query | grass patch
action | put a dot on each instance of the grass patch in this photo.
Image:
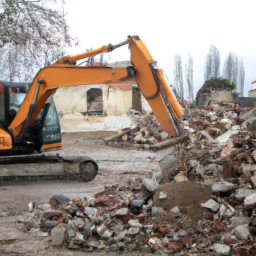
(7, 241)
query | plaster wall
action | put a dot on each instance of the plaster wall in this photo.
(224, 95)
(74, 99)
(252, 93)
(71, 104)
(118, 101)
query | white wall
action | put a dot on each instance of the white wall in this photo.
(72, 101)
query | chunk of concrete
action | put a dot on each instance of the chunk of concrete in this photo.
(175, 210)
(162, 195)
(134, 223)
(222, 186)
(221, 249)
(241, 232)
(250, 201)
(59, 234)
(78, 222)
(90, 211)
(122, 212)
(225, 136)
(149, 184)
(133, 231)
(242, 193)
(156, 211)
(211, 204)
(226, 210)
(236, 221)
(253, 180)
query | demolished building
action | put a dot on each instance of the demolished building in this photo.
(101, 107)
(214, 89)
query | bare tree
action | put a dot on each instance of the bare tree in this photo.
(31, 37)
(240, 79)
(178, 75)
(212, 63)
(189, 77)
(230, 69)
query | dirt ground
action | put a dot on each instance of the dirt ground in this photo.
(188, 196)
(115, 165)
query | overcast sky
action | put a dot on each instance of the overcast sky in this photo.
(168, 27)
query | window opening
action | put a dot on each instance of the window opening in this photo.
(94, 102)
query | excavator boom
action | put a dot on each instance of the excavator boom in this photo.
(89, 54)
(150, 81)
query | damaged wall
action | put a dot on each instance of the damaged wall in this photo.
(70, 100)
(79, 107)
(252, 93)
(214, 90)
(118, 101)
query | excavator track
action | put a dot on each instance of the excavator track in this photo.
(47, 167)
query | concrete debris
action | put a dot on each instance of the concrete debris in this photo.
(215, 163)
(157, 210)
(241, 232)
(145, 129)
(227, 210)
(242, 193)
(30, 207)
(120, 228)
(149, 185)
(222, 186)
(162, 195)
(211, 204)
(59, 235)
(221, 249)
(176, 210)
(250, 201)
(122, 212)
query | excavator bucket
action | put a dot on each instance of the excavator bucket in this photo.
(156, 92)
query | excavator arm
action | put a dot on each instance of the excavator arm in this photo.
(104, 49)
(49, 79)
(64, 73)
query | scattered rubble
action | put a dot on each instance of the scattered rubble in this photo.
(205, 204)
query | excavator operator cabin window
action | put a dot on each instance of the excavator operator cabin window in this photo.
(94, 102)
(16, 98)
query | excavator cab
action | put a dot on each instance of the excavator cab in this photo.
(44, 133)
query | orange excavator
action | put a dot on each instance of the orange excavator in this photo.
(29, 121)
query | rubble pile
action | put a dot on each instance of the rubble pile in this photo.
(145, 129)
(182, 218)
(211, 121)
(205, 205)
